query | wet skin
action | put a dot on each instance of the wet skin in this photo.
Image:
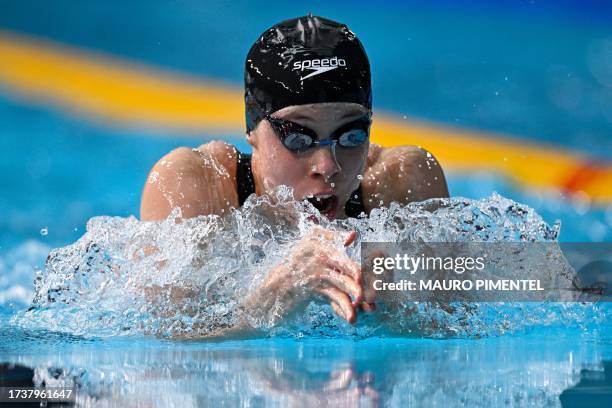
(203, 181)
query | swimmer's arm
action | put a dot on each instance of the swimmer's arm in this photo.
(402, 174)
(180, 300)
(314, 267)
(198, 181)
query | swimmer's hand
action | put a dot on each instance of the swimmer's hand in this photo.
(368, 276)
(371, 297)
(315, 266)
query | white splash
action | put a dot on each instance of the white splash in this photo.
(189, 278)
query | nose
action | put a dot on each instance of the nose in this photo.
(323, 163)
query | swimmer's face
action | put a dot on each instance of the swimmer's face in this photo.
(315, 172)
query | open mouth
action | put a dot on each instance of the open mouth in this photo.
(325, 203)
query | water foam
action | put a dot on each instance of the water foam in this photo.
(189, 278)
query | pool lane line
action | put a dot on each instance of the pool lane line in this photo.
(532, 165)
(589, 173)
(112, 91)
(108, 89)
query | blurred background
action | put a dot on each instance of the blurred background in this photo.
(513, 97)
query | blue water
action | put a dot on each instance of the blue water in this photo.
(95, 334)
(107, 169)
(546, 367)
(536, 69)
(479, 66)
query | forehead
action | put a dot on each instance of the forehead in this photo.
(332, 111)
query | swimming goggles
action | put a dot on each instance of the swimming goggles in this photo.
(299, 139)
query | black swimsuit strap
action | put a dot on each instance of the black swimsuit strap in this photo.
(354, 206)
(246, 186)
(244, 177)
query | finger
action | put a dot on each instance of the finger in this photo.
(341, 380)
(375, 253)
(344, 283)
(369, 294)
(325, 233)
(346, 266)
(338, 310)
(342, 301)
(368, 306)
(350, 238)
(372, 395)
(369, 259)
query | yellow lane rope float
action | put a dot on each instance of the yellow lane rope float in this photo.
(109, 90)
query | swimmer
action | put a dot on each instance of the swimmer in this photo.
(308, 106)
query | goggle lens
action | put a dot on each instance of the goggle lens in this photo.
(298, 138)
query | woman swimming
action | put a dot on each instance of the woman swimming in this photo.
(308, 114)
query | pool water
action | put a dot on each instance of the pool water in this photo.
(58, 170)
(91, 331)
(547, 367)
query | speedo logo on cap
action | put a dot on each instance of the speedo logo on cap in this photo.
(319, 66)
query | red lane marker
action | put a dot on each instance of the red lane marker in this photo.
(582, 177)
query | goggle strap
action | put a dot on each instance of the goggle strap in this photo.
(333, 150)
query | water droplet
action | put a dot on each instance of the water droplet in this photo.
(44, 231)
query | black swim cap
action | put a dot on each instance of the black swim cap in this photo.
(304, 60)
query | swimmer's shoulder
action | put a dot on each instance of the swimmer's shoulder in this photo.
(223, 153)
(401, 174)
(200, 181)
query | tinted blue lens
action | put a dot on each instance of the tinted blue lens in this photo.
(298, 141)
(353, 138)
